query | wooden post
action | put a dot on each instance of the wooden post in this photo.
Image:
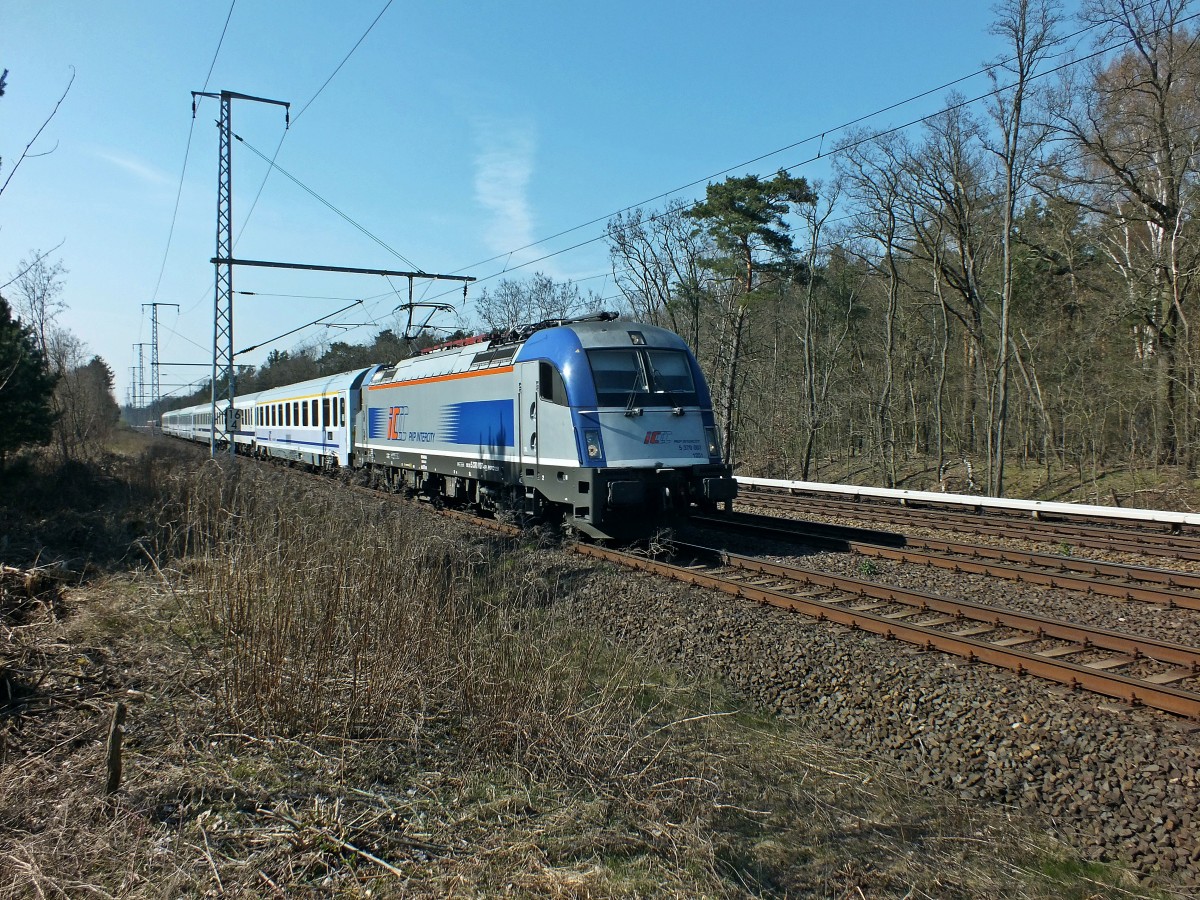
(115, 733)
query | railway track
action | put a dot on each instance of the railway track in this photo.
(1153, 539)
(1117, 785)
(1138, 670)
(1166, 587)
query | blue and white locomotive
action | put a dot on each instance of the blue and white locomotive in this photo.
(601, 424)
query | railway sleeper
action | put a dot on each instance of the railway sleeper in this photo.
(974, 630)
(938, 620)
(1114, 662)
(1016, 641)
(1056, 652)
(1171, 677)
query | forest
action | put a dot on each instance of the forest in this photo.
(1009, 281)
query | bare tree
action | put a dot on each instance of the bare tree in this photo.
(1028, 29)
(513, 303)
(657, 261)
(952, 209)
(877, 178)
(38, 296)
(26, 154)
(83, 399)
(1134, 120)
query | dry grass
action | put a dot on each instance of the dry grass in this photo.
(331, 695)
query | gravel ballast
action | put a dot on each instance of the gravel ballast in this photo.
(1117, 783)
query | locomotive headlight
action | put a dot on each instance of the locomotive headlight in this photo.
(591, 438)
(714, 441)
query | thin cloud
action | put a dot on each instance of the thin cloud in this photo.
(503, 170)
(134, 167)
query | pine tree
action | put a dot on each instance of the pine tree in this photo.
(26, 386)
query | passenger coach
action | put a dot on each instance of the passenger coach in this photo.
(311, 422)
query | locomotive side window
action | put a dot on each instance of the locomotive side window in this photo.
(550, 384)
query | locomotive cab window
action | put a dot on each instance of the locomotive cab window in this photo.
(642, 377)
(550, 384)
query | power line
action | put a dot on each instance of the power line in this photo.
(344, 59)
(809, 160)
(808, 140)
(282, 137)
(220, 41)
(815, 137)
(326, 203)
(187, 152)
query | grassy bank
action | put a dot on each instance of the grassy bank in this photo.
(333, 694)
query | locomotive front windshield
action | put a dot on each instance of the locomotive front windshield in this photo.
(637, 377)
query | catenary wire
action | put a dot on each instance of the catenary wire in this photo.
(809, 160)
(186, 152)
(985, 70)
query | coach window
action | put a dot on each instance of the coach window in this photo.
(343, 400)
(550, 384)
(316, 421)
(324, 412)
(304, 413)
(296, 412)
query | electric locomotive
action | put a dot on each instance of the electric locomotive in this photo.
(600, 424)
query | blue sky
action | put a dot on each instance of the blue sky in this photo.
(456, 133)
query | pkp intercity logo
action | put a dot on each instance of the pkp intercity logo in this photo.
(396, 416)
(657, 437)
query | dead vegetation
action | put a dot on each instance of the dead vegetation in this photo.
(333, 695)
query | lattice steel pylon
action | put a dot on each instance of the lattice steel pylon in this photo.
(139, 394)
(223, 289)
(155, 383)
